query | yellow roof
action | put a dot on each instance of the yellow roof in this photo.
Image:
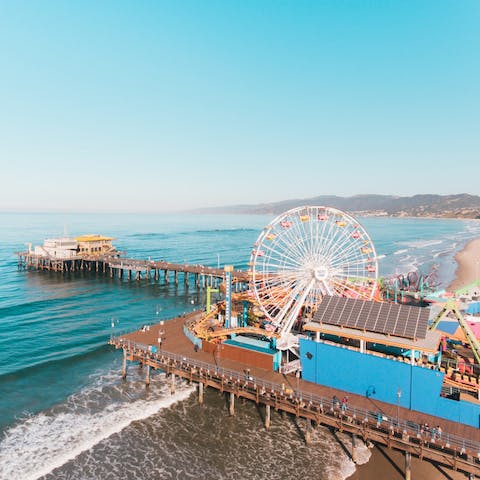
(93, 238)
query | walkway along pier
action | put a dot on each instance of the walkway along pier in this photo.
(166, 347)
(114, 265)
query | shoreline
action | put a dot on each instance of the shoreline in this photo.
(468, 265)
(385, 463)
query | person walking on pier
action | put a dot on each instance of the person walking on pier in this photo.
(344, 404)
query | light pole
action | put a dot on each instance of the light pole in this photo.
(161, 333)
(218, 261)
(399, 395)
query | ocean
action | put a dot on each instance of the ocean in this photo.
(65, 413)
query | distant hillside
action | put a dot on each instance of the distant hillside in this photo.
(442, 206)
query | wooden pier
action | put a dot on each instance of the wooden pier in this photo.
(116, 266)
(457, 447)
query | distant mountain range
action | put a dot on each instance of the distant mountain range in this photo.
(441, 206)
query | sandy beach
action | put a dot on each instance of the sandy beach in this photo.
(390, 464)
(468, 265)
(385, 464)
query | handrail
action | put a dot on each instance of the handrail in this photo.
(400, 425)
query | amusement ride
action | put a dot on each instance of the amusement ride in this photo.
(304, 254)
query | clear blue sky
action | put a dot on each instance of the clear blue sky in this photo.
(155, 106)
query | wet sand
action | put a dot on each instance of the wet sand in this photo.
(390, 464)
(468, 265)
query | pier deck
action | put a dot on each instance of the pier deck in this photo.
(458, 446)
(115, 264)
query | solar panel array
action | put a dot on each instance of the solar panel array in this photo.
(387, 318)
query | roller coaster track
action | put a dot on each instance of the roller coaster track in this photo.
(451, 307)
(460, 385)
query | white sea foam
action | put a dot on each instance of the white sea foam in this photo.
(422, 243)
(43, 442)
(348, 467)
(443, 253)
(379, 257)
(398, 252)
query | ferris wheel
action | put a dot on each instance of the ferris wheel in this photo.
(305, 254)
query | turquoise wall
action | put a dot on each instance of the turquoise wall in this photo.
(381, 379)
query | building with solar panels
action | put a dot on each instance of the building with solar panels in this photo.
(383, 351)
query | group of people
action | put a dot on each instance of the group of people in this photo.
(425, 430)
(336, 403)
(435, 432)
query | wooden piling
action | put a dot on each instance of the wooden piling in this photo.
(354, 449)
(147, 376)
(124, 366)
(308, 432)
(408, 466)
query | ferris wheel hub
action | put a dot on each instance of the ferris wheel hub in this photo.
(320, 273)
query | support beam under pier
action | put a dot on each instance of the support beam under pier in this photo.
(408, 466)
(124, 366)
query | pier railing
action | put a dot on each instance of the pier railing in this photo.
(395, 427)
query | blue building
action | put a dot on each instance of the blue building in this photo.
(383, 351)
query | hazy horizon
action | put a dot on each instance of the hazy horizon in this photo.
(194, 210)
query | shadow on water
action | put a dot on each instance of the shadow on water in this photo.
(346, 450)
(391, 462)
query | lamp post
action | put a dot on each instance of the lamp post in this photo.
(399, 395)
(218, 261)
(161, 334)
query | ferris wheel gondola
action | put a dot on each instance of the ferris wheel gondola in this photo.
(307, 253)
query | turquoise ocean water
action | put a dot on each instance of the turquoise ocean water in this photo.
(64, 411)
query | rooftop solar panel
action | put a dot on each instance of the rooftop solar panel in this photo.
(387, 318)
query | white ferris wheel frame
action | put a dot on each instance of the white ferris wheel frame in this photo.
(306, 253)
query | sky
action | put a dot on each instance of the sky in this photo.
(153, 106)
